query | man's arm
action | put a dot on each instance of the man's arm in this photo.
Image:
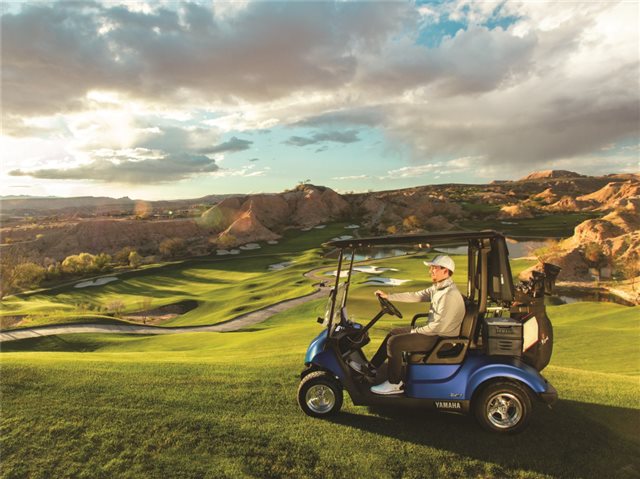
(415, 297)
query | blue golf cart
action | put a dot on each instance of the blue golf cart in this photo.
(492, 369)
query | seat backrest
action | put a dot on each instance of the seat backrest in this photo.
(469, 320)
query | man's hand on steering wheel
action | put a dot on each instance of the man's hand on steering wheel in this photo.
(387, 306)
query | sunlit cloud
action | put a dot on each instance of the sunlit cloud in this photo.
(411, 171)
(458, 89)
(348, 178)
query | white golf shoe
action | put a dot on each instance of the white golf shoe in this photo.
(388, 388)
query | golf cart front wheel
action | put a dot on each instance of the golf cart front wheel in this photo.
(503, 407)
(320, 394)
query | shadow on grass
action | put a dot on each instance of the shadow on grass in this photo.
(574, 439)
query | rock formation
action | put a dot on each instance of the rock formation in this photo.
(545, 174)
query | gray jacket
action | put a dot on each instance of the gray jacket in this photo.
(447, 308)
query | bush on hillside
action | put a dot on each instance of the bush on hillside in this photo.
(134, 259)
(172, 247)
(86, 263)
(18, 277)
(122, 256)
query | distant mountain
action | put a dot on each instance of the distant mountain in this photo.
(547, 174)
(92, 205)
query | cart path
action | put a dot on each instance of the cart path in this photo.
(234, 324)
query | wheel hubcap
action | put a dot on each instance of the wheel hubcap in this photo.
(504, 410)
(320, 398)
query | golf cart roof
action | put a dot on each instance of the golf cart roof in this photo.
(431, 239)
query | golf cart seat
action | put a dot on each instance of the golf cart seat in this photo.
(448, 350)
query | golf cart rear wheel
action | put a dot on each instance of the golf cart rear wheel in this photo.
(503, 407)
(320, 394)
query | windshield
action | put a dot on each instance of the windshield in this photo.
(339, 296)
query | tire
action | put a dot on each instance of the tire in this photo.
(319, 394)
(503, 407)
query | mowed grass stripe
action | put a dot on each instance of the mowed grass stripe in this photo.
(223, 405)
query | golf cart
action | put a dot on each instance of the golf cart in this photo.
(491, 369)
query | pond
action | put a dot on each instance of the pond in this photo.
(574, 296)
(363, 254)
(517, 249)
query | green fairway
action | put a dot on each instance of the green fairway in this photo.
(223, 405)
(224, 287)
(542, 226)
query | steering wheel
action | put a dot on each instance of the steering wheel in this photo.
(389, 307)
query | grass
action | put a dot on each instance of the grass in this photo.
(556, 225)
(223, 405)
(224, 288)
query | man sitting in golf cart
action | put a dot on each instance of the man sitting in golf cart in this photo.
(445, 318)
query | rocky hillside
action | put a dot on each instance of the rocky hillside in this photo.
(241, 219)
(603, 246)
(549, 174)
(263, 217)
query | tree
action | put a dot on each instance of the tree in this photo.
(226, 240)
(411, 222)
(594, 254)
(172, 248)
(19, 276)
(134, 259)
(122, 256)
(102, 262)
(86, 263)
(630, 270)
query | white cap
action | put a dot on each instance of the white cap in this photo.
(442, 260)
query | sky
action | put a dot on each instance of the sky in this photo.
(163, 100)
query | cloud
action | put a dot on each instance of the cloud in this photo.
(262, 52)
(411, 171)
(232, 145)
(124, 169)
(517, 85)
(248, 171)
(356, 177)
(350, 136)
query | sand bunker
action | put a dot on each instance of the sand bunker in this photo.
(319, 227)
(97, 282)
(387, 281)
(351, 227)
(372, 269)
(272, 242)
(343, 237)
(250, 246)
(222, 252)
(279, 266)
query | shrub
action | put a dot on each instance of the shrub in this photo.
(20, 276)
(86, 263)
(226, 240)
(122, 256)
(115, 307)
(172, 248)
(134, 259)
(594, 254)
